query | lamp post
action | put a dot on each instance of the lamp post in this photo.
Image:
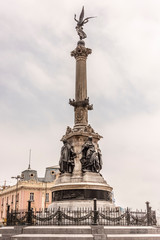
(18, 177)
(148, 213)
(45, 196)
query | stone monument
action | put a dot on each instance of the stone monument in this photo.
(80, 162)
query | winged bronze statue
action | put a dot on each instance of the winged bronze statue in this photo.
(80, 23)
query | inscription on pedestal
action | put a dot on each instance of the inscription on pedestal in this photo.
(81, 194)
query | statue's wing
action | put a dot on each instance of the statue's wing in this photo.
(88, 18)
(81, 15)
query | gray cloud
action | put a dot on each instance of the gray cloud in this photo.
(37, 79)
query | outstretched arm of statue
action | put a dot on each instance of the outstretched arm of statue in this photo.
(75, 18)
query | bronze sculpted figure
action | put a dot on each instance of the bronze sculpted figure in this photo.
(66, 162)
(91, 160)
(100, 158)
(80, 23)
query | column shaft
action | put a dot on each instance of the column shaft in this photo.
(81, 79)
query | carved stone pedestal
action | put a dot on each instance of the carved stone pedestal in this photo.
(71, 191)
(93, 177)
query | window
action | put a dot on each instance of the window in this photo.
(53, 196)
(7, 201)
(32, 197)
(12, 199)
(47, 197)
(2, 201)
(17, 198)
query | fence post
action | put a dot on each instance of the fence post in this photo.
(59, 217)
(29, 217)
(11, 217)
(153, 215)
(150, 216)
(8, 215)
(128, 216)
(148, 213)
(95, 217)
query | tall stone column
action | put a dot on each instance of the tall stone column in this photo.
(81, 130)
(81, 159)
(81, 102)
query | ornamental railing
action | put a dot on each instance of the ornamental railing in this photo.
(82, 216)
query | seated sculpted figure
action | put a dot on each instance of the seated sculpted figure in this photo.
(66, 162)
(91, 160)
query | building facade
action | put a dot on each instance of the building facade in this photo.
(28, 187)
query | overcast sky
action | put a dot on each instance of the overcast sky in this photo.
(37, 77)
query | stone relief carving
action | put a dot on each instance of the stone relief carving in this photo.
(81, 115)
(89, 129)
(86, 130)
(68, 130)
(66, 162)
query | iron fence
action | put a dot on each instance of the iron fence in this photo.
(82, 216)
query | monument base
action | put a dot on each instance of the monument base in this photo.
(77, 204)
(71, 192)
(92, 177)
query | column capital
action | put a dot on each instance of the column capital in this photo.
(81, 51)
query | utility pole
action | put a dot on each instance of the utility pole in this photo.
(18, 177)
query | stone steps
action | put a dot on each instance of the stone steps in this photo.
(57, 230)
(80, 233)
(53, 236)
(6, 232)
(131, 230)
(133, 237)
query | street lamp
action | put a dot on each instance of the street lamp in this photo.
(18, 177)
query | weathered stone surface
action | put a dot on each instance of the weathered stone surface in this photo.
(97, 229)
(74, 204)
(53, 236)
(81, 102)
(133, 237)
(57, 230)
(131, 230)
(82, 233)
(99, 237)
(6, 230)
(93, 177)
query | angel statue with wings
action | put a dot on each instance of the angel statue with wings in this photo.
(80, 23)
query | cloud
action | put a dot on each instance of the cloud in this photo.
(37, 77)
